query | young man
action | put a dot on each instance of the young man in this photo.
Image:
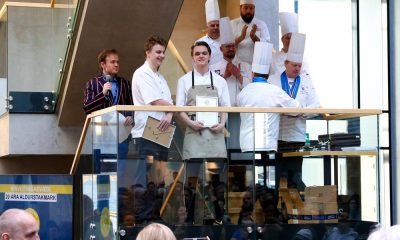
(149, 88)
(108, 89)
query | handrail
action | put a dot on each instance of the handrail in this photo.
(336, 111)
(52, 4)
(80, 146)
(178, 57)
(330, 114)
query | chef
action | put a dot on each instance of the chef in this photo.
(289, 24)
(236, 72)
(247, 30)
(212, 38)
(259, 131)
(298, 86)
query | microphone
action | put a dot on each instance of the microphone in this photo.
(108, 79)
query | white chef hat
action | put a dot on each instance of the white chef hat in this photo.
(289, 22)
(262, 57)
(247, 2)
(212, 10)
(296, 48)
(225, 31)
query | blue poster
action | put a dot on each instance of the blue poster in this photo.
(48, 197)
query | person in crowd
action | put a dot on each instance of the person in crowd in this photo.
(149, 88)
(289, 24)
(304, 234)
(156, 231)
(260, 93)
(391, 233)
(293, 128)
(202, 141)
(18, 224)
(236, 72)
(247, 30)
(212, 38)
(204, 137)
(108, 88)
(343, 231)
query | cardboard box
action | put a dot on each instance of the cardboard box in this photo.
(321, 194)
(320, 205)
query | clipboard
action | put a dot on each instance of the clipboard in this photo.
(151, 132)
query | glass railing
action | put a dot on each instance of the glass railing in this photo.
(34, 40)
(233, 184)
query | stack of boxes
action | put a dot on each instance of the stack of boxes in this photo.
(319, 205)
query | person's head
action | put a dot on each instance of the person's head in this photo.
(228, 50)
(292, 68)
(201, 53)
(304, 234)
(212, 18)
(156, 231)
(128, 220)
(154, 49)
(392, 233)
(247, 10)
(213, 29)
(18, 224)
(109, 61)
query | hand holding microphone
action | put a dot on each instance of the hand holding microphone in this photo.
(107, 86)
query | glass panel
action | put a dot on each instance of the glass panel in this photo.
(337, 32)
(34, 33)
(88, 207)
(3, 62)
(253, 193)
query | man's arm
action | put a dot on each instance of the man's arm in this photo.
(94, 98)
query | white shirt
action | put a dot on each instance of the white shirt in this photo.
(261, 128)
(185, 83)
(147, 86)
(278, 64)
(234, 85)
(216, 54)
(245, 48)
(293, 129)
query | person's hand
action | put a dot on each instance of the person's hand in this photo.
(228, 72)
(106, 87)
(165, 122)
(217, 128)
(242, 35)
(196, 125)
(253, 35)
(128, 121)
(235, 70)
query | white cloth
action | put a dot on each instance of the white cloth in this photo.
(278, 64)
(261, 128)
(185, 83)
(147, 86)
(293, 129)
(234, 85)
(245, 48)
(216, 54)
